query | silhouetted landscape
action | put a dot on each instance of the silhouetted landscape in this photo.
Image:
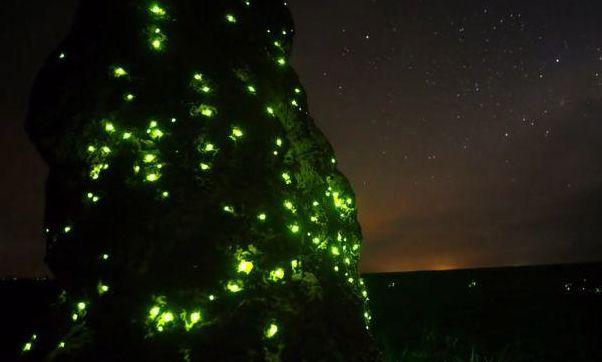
(540, 313)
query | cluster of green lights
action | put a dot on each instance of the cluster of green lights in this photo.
(161, 317)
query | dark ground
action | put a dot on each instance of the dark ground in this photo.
(543, 314)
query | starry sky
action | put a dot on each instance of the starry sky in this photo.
(470, 130)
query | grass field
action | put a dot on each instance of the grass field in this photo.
(542, 314)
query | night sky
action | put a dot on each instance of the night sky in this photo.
(471, 130)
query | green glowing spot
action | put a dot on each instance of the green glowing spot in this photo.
(165, 194)
(195, 317)
(236, 133)
(316, 240)
(74, 317)
(154, 312)
(155, 133)
(67, 229)
(127, 135)
(106, 149)
(335, 250)
(294, 263)
(315, 203)
(289, 206)
(136, 169)
(245, 267)
(149, 157)
(109, 127)
(157, 43)
(206, 89)
(102, 288)
(119, 72)
(271, 330)
(297, 90)
(209, 147)
(364, 293)
(294, 103)
(294, 228)
(152, 124)
(205, 166)
(281, 61)
(155, 9)
(211, 297)
(277, 43)
(262, 217)
(279, 142)
(350, 280)
(270, 111)
(251, 89)
(62, 56)
(287, 178)
(333, 160)
(91, 149)
(81, 306)
(105, 256)
(229, 209)
(27, 347)
(234, 286)
(230, 18)
(206, 111)
(61, 345)
(277, 274)
(152, 177)
(129, 97)
(336, 268)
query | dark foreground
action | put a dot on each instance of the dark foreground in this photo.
(543, 314)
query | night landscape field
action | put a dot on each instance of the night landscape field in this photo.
(520, 314)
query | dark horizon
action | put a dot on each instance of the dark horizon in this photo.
(471, 132)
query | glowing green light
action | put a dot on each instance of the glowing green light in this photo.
(62, 56)
(152, 177)
(252, 89)
(236, 133)
(74, 317)
(27, 347)
(364, 293)
(67, 229)
(230, 18)
(157, 44)
(289, 205)
(234, 286)
(152, 124)
(212, 297)
(245, 267)
(229, 209)
(281, 61)
(262, 217)
(294, 103)
(206, 111)
(109, 127)
(294, 228)
(198, 76)
(316, 240)
(102, 288)
(91, 149)
(206, 89)
(297, 90)
(270, 110)
(271, 330)
(119, 72)
(277, 274)
(129, 97)
(148, 158)
(154, 312)
(155, 133)
(205, 167)
(81, 306)
(106, 149)
(157, 10)
(335, 250)
(165, 194)
(333, 161)
(209, 147)
(61, 345)
(279, 142)
(294, 263)
(195, 317)
(287, 178)
(105, 256)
